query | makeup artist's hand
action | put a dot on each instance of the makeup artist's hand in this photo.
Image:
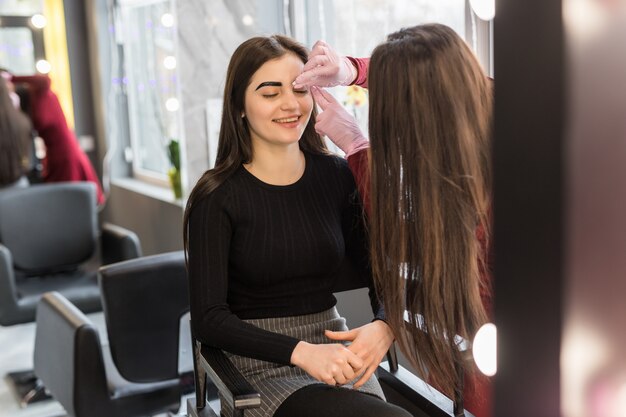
(325, 68)
(369, 342)
(336, 123)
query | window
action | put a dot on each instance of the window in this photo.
(356, 27)
(148, 39)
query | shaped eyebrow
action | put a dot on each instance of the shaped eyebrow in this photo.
(270, 84)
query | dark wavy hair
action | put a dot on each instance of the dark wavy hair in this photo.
(430, 125)
(235, 147)
(14, 139)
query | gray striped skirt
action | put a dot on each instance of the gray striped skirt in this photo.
(276, 382)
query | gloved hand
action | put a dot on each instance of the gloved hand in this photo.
(325, 68)
(336, 123)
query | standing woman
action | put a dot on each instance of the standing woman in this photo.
(429, 126)
(14, 138)
(266, 232)
(65, 160)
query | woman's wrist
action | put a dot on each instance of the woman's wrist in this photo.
(299, 352)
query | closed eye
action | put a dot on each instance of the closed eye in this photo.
(302, 92)
(270, 95)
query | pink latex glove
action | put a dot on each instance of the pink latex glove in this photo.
(336, 123)
(325, 68)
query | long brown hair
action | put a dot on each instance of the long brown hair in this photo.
(14, 139)
(429, 125)
(235, 146)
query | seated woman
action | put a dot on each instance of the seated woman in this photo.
(266, 231)
(14, 138)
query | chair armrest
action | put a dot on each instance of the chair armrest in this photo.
(118, 244)
(228, 380)
(392, 358)
(418, 392)
(8, 293)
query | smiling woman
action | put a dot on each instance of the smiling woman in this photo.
(256, 228)
(277, 115)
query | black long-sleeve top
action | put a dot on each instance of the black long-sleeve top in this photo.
(258, 250)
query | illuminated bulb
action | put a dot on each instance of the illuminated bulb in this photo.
(172, 104)
(484, 9)
(43, 66)
(169, 62)
(485, 349)
(167, 20)
(247, 20)
(39, 21)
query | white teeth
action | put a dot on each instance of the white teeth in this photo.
(287, 120)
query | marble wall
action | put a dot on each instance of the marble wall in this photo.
(208, 33)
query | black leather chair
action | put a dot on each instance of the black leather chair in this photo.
(212, 369)
(143, 300)
(49, 241)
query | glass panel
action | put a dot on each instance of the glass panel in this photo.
(20, 7)
(151, 82)
(355, 27)
(16, 50)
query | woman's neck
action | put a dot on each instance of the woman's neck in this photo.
(282, 165)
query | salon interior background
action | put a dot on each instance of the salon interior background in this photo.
(135, 74)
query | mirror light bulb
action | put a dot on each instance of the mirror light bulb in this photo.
(247, 20)
(484, 9)
(167, 20)
(169, 62)
(485, 349)
(172, 104)
(39, 21)
(43, 66)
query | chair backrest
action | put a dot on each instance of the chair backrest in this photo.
(143, 301)
(62, 331)
(49, 227)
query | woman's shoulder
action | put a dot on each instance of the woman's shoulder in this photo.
(209, 190)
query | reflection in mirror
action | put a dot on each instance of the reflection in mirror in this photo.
(148, 32)
(17, 50)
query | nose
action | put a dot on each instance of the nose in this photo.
(290, 101)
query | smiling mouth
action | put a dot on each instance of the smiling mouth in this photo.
(288, 119)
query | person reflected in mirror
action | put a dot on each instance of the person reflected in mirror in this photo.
(14, 137)
(425, 175)
(266, 232)
(65, 160)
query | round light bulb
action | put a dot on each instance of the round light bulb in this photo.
(247, 20)
(172, 104)
(485, 349)
(169, 62)
(43, 66)
(167, 20)
(39, 21)
(484, 9)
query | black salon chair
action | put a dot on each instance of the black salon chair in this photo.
(214, 372)
(49, 241)
(143, 301)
